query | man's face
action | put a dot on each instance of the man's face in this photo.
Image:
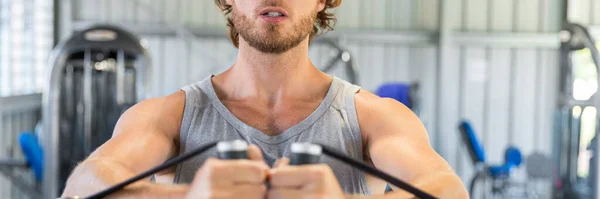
(274, 26)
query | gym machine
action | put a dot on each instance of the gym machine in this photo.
(499, 175)
(94, 76)
(576, 177)
(407, 94)
(345, 57)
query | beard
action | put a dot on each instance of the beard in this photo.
(272, 38)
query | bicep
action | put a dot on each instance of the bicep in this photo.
(397, 141)
(405, 158)
(143, 137)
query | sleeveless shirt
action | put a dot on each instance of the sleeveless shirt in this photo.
(334, 123)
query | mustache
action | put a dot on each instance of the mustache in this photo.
(271, 3)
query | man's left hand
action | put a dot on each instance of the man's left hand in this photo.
(306, 181)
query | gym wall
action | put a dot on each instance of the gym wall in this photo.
(508, 94)
(15, 119)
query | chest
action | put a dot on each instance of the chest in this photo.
(271, 120)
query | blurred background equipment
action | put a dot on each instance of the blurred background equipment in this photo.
(576, 115)
(96, 75)
(498, 175)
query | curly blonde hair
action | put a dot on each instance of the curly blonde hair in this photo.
(324, 23)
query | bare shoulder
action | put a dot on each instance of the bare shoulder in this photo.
(149, 127)
(379, 116)
(164, 113)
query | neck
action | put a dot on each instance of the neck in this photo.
(272, 67)
(271, 77)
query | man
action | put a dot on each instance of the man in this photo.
(271, 97)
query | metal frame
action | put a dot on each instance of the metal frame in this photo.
(444, 41)
(508, 39)
(594, 30)
(52, 94)
(377, 36)
(20, 102)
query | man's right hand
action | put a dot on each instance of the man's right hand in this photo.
(231, 178)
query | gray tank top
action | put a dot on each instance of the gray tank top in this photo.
(333, 123)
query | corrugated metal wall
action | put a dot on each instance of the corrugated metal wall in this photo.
(14, 119)
(508, 94)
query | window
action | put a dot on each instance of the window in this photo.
(26, 39)
(585, 76)
(587, 132)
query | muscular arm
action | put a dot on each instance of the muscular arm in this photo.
(145, 136)
(397, 142)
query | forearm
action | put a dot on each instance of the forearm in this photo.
(153, 190)
(98, 174)
(444, 185)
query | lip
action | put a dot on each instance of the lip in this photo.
(273, 9)
(275, 20)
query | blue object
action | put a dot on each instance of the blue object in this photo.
(512, 157)
(397, 91)
(33, 153)
(498, 170)
(470, 138)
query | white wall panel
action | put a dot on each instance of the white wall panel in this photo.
(156, 46)
(194, 16)
(198, 62)
(579, 11)
(115, 10)
(476, 12)
(323, 56)
(502, 15)
(594, 16)
(212, 13)
(356, 50)
(554, 15)
(498, 103)
(145, 10)
(449, 100)
(527, 13)
(368, 77)
(472, 96)
(456, 15)
(372, 15)
(523, 96)
(119, 11)
(130, 10)
(170, 10)
(173, 65)
(396, 66)
(428, 14)
(549, 84)
(87, 9)
(426, 66)
(348, 14)
(398, 14)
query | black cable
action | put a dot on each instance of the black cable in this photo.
(378, 173)
(473, 183)
(168, 164)
(356, 164)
